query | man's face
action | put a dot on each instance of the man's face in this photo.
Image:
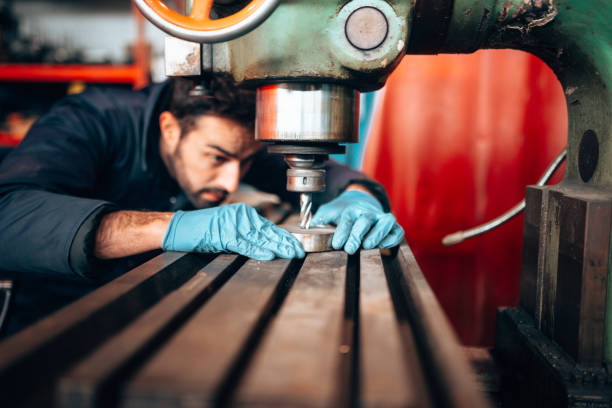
(209, 160)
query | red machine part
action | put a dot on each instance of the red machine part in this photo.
(455, 140)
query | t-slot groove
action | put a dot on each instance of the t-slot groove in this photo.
(348, 373)
(236, 371)
(109, 390)
(410, 333)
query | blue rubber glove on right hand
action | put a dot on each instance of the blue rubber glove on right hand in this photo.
(361, 222)
(230, 228)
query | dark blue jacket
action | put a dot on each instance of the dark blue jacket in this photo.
(95, 153)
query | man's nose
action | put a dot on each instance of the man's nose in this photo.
(230, 176)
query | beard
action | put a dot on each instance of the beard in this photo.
(200, 202)
(175, 167)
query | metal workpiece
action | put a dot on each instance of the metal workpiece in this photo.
(313, 239)
(307, 112)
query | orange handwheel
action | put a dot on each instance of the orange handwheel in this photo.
(198, 26)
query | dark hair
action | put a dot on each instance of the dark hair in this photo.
(218, 96)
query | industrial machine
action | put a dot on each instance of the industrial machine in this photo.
(309, 60)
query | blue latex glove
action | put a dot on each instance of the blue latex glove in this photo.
(230, 228)
(360, 221)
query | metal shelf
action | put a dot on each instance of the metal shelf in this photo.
(117, 74)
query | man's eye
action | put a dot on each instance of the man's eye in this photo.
(219, 159)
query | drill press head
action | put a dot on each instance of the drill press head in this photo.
(306, 122)
(308, 61)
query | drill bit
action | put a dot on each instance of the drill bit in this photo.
(305, 210)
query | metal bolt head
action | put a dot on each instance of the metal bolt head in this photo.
(366, 28)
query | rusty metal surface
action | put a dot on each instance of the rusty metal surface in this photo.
(34, 358)
(329, 330)
(390, 367)
(303, 342)
(94, 380)
(530, 298)
(582, 276)
(565, 266)
(429, 26)
(182, 58)
(538, 373)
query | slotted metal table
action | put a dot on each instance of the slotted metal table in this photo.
(190, 330)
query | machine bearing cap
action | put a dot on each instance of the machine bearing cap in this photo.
(369, 35)
(366, 28)
(305, 181)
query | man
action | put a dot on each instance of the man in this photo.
(109, 177)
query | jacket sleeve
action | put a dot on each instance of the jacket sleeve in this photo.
(47, 192)
(268, 174)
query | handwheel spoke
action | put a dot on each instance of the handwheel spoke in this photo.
(201, 10)
(198, 26)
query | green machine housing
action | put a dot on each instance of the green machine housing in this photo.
(555, 347)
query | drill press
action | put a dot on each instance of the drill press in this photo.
(305, 111)
(306, 122)
(561, 333)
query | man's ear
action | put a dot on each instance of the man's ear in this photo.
(170, 130)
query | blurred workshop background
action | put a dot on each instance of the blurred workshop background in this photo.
(454, 138)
